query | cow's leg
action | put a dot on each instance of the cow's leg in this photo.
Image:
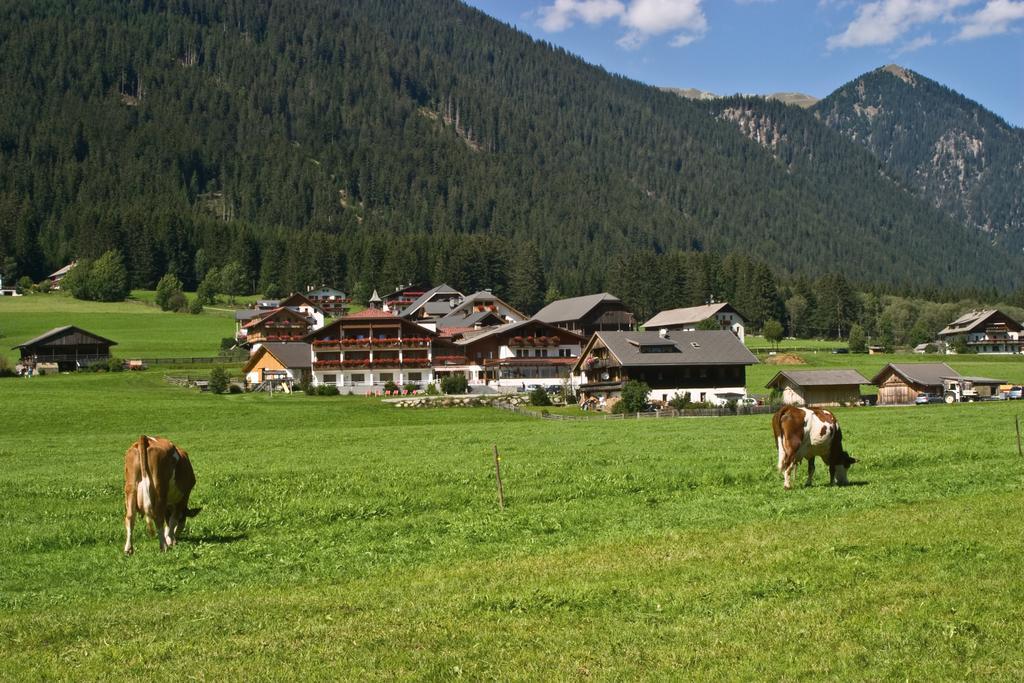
(173, 520)
(129, 518)
(810, 471)
(788, 474)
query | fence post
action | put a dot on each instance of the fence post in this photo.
(497, 476)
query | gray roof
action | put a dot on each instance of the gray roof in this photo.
(247, 314)
(819, 378)
(700, 347)
(972, 319)
(457, 319)
(510, 327)
(924, 374)
(61, 330)
(984, 380)
(572, 309)
(440, 290)
(292, 354)
(688, 316)
(325, 292)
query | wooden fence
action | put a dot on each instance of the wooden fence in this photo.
(695, 412)
(196, 360)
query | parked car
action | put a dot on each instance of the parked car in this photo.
(1015, 393)
(747, 402)
(841, 350)
(924, 397)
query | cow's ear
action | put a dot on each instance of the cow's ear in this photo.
(852, 459)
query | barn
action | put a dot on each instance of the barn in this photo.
(819, 387)
(279, 363)
(901, 383)
(68, 347)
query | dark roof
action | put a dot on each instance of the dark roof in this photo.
(512, 327)
(325, 292)
(57, 331)
(688, 316)
(248, 314)
(983, 380)
(459, 319)
(700, 347)
(819, 378)
(973, 319)
(440, 290)
(574, 308)
(923, 374)
(291, 354)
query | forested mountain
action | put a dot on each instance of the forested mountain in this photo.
(366, 143)
(944, 147)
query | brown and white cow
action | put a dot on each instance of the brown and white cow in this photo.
(808, 433)
(158, 479)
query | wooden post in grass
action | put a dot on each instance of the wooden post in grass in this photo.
(1016, 420)
(497, 476)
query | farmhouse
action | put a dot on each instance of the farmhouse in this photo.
(58, 275)
(357, 351)
(586, 315)
(687, 319)
(278, 325)
(402, 297)
(900, 384)
(277, 362)
(819, 387)
(986, 331)
(333, 302)
(68, 347)
(705, 365)
(518, 354)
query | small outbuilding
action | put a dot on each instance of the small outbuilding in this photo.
(900, 384)
(69, 348)
(279, 363)
(819, 387)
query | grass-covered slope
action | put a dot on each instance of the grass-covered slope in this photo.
(342, 539)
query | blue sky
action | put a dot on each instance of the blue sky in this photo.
(975, 47)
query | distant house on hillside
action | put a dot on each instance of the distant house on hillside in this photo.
(402, 297)
(279, 325)
(58, 275)
(986, 331)
(586, 315)
(68, 347)
(333, 302)
(819, 387)
(706, 365)
(278, 363)
(432, 305)
(687, 319)
(479, 310)
(901, 383)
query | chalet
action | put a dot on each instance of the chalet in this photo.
(304, 305)
(900, 384)
(370, 348)
(480, 310)
(432, 305)
(333, 302)
(986, 331)
(279, 325)
(819, 387)
(517, 354)
(277, 363)
(7, 291)
(687, 319)
(68, 347)
(58, 275)
(706, 365)
(586, 315)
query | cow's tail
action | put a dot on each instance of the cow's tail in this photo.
(147, 475)
(777, 431)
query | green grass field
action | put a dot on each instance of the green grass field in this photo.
(344, 539)
(140, 330)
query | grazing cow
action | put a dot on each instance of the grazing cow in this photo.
(807, 433)
(158, 479)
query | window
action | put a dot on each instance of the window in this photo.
(387, 377)
(358, 378)
(415, 376)
(330, 379)
(537, 353)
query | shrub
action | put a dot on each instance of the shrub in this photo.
(306, 384)
(115, 364)
(196, 307)
(25, 284)
(619, 408)
(680, 401)
(411, 387)
(856, 340)
(454, 384)
(327, 390)
(177, 302)
(168, 286)
(227, 343)
(539, 397)
(219, 380)
(772, 331)
(931, 348)
(5, 368)
(390, 386)
(235, 389)
(634, 396)
(432, 390)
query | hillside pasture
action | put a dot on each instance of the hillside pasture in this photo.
(341, 538)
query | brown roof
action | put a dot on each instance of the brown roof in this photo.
(575, 308)
(59, 331)
(971, 320)
(819, 378)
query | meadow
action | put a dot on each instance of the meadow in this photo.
(341, 538)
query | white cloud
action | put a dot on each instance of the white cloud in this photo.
(994, 18)
(641, 18)
(885, 21)
(915, 44)
(563, 13)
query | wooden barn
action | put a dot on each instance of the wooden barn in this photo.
(68, 347)
(900, 383)
(819, 387)
(279, 363)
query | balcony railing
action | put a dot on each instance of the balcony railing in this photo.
(534, 341)
(361, 363)
(375, 343)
